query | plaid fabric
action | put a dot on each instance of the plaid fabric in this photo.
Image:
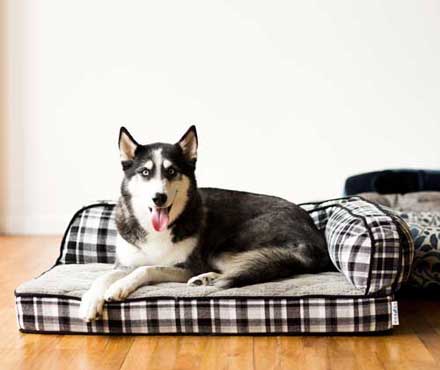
(372, 247)
(91, 235)
(210, 316)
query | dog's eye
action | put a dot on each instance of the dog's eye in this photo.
(171, 171)
(145, 172)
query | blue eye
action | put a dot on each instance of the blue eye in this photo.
(145, 172)
(171, 171)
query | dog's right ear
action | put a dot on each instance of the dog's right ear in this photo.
(127, 147)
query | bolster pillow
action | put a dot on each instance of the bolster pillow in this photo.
(368, 243)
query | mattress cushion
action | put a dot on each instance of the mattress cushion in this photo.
(307, 303)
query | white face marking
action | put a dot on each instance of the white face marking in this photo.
(143, 191)
(166, 163)
(149, 164)
(158, 160)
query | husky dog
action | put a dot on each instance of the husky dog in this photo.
(169, 230)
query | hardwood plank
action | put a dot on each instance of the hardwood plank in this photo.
(110, 358)
(190, 352)
(165, 354)
(365, 351)
(116, 351)
(291, 353)
(315, 353)
(341, 354)
(213, 357)
(239, 353)
(22, 259)
(228, 353)
(141, 353)
(179, 352)
(91, 343)
(267, 353)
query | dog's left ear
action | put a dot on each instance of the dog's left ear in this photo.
(188, 143)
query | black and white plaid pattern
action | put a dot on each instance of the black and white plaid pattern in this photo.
(91, 235)
(210, 316)
(372, 247)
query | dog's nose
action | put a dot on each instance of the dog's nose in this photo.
(160, 199)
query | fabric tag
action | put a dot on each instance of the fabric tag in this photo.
(394, 313)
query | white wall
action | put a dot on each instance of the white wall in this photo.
(289, 97)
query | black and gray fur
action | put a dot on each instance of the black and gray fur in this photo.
(263, 237)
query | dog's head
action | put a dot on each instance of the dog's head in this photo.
(158, 177)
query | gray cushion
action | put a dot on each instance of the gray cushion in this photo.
(74, 280)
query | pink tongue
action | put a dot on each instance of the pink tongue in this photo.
(160, 218)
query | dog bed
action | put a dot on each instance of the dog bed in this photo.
(371, 248)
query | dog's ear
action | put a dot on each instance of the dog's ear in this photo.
(127, 146)
(188, 143)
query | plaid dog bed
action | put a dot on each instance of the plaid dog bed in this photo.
(40, 314)
(370, 246)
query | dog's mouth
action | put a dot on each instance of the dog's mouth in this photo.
(160, 217)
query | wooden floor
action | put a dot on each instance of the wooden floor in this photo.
(415, 344)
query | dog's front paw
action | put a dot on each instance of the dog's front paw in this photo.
(118, 291)
(206, 279)
(91, 306)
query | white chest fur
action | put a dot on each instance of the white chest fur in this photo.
(158, 250)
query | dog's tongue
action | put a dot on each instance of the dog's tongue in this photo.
(160, 218)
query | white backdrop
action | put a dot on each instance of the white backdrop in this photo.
(289, 98)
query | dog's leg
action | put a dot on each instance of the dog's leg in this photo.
(208, 278)
(120, 289)
(92, 301)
